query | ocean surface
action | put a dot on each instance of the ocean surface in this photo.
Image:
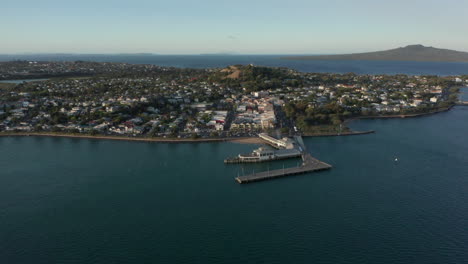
(211, 61)
(23, 80)
(96, 201)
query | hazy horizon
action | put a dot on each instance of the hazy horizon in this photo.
(183, 27)
(188, 54)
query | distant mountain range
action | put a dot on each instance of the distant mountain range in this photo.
(79, 54)
(408, 53)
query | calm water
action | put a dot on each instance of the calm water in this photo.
(207, 61)
(23, 80)
(89, 201)
(464, 94)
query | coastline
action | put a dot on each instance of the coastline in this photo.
(350, 133)
(399, 116)
(353, 133)
(242, 140)
(239, 140)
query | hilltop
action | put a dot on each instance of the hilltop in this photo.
(255, 78)
(408, 53)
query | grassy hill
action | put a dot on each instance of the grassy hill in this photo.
(255, 78)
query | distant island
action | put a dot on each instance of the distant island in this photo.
(408, 53)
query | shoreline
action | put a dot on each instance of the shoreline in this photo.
(353, 133)
(350, 133)
(241, 140)
(400, 116)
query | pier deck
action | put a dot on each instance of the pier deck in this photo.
(309, 164)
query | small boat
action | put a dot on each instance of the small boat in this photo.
(396, 159)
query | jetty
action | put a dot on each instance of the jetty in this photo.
(285, 148)
(309, 164)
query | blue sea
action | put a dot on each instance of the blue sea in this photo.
(214, 61)
(96, 201)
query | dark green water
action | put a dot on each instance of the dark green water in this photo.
(88, 201)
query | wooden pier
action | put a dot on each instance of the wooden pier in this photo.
(309, 164)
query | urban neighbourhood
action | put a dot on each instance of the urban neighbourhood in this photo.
(151, 101)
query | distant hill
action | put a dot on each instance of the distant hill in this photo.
(408, 53)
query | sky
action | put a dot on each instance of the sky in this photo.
(235, 26)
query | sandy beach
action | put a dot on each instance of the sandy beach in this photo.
(248, 140)
(242, 140)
